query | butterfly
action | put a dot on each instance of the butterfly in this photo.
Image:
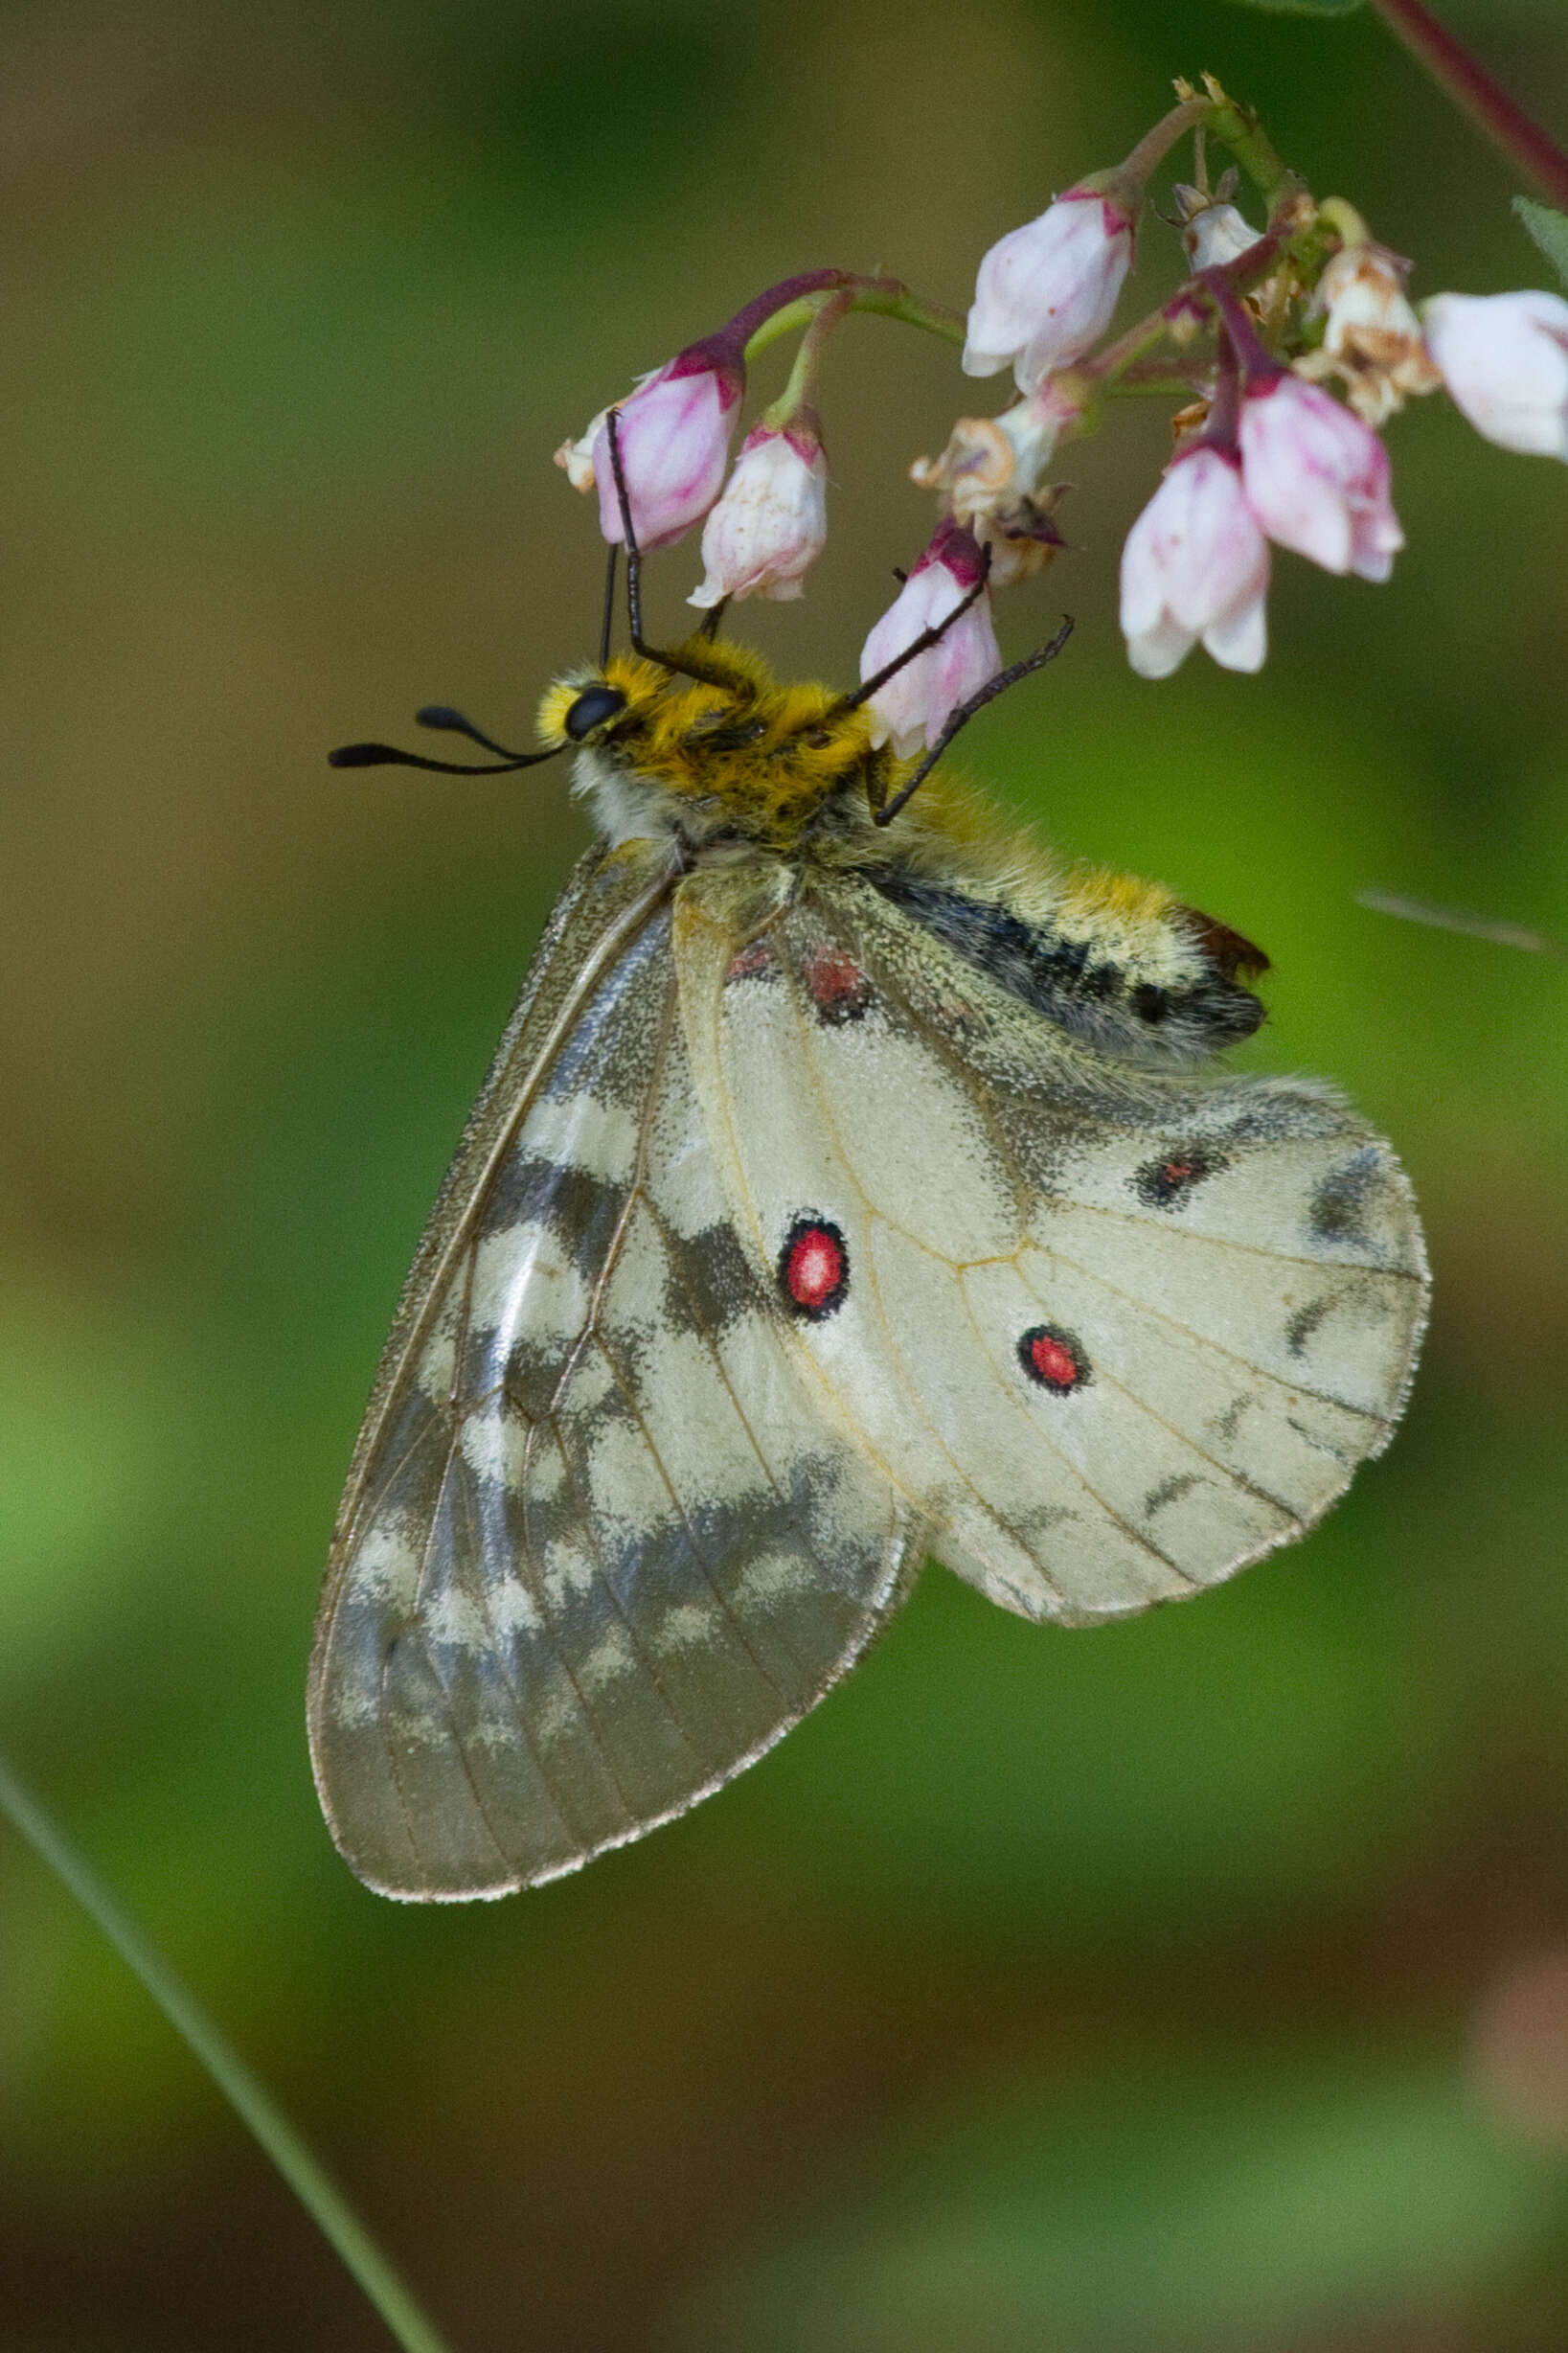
(846, 1188)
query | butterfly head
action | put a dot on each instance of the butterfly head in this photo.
(727, 756)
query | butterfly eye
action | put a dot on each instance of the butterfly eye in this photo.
(591, 708)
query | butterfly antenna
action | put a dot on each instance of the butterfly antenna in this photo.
(438, 714)
(441, 715)
(606, 626)
(634, 576)
(965, 712)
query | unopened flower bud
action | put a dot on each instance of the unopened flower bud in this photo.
(673, 436)
(1504, 358)
(1214, 232)
(1373, 339)
(1046, 293)
(1316, 478)
(918, 699)
(772, 520)
(1196, 566)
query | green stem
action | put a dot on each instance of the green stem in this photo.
(1238, 128)
(272, 2128)
(799, 394)
(1485, 101)
(888, 297)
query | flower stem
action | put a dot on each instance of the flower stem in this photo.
(799, 394)
(888, 297)
(336, 2219)
(1155, 145)
(1238, 128)
(1485, 101)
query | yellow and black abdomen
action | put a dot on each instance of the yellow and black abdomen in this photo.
(1120, 966)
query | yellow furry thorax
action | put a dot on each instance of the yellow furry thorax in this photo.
(733, 750)
(769, 762)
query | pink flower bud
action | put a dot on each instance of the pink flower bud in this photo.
(1215, 233)
(674, 433)
(917, 700)
(1196, 566)
(1046, 292)
(772, 520)
(1316, 478)
(1504, 358)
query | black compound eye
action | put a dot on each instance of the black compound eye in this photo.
(591, 708)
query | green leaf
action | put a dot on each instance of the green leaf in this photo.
(1549, 229)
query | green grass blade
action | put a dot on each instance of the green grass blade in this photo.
(315, 2192)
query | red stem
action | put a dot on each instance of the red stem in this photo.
(1485, 101)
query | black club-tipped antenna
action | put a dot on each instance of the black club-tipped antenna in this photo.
(678, 662)
(440, 715)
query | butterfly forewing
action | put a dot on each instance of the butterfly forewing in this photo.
(598, 1549)
(1111, 1334)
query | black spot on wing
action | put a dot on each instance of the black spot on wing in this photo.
(1338, 1206)
(711, 1281)
(1305, 1322)
(1169, 1490)
(581, 1210)
(1166, 1183)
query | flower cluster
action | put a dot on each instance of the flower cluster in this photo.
(1290, 345)
(1266, 454)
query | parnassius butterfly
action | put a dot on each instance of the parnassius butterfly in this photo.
(841, 1194)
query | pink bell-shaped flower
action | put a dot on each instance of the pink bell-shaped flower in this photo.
(1046, 293)
(1317, 478)
(1504, 358)
(917, 700)
(772, 520)
(673, 434)
(1196, 566)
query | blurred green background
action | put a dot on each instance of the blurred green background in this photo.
(1198, 1983)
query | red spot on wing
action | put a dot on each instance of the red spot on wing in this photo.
(1052, 1359)
(754, 958)
(837, 985)
(814, 1267)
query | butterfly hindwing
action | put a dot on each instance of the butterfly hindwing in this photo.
(1112, 1334)
(598, 1548)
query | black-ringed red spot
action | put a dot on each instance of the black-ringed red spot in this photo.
(1052, 1359)
(813, 1267)
(1163, 1184)
(838, 987)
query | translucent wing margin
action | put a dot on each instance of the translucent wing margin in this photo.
(598, 1549)
(1112, 1334)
